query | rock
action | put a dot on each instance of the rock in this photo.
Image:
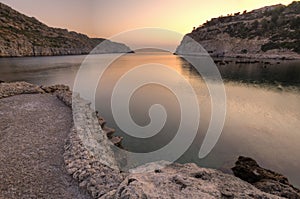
(71, 170)
(116, 140)
(149, 167)
(83, 175)
(102, 122)
(90, 172)
(61, 91)
(17, 88)
(266, 180)
(21, 35)
(54, 88)
(108, 131)
(254, 34)
(186, 181)
(83, 184)
(108, 195)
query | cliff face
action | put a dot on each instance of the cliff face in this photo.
(21, 35)
(269, 32)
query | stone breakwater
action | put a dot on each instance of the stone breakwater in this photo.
(89, 159)
(88, 153)
(87, 168)
(88, 156)
(63, 93)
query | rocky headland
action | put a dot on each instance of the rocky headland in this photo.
(271, 32)
(21, 35)
(87, 157)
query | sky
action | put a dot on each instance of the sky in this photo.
(100, 18)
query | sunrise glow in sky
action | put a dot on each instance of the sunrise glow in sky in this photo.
(100, 18)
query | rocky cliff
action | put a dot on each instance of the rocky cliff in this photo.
(21, 35)
(269, 32)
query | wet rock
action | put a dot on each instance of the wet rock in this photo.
(108, 131)
(116, 140)
(266, 180)
(102, 122)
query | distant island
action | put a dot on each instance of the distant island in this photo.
(268, 32)
(21, 35)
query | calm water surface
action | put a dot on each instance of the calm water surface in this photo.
(263, 120)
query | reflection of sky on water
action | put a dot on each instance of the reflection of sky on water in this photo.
(260, 123)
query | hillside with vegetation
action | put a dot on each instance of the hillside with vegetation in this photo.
(269, 32)
(21, 35)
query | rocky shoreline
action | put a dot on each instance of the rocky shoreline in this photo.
(90, 161)
(23, 36)
(269, 32)
(191, 47)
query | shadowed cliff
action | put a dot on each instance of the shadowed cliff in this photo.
(21, 35)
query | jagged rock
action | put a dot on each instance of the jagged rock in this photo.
(108, 131)
(116, 140)
(186, 181)
(102, 121)
(266, 180)
(21, 35)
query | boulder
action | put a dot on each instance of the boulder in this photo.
(266, 180)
